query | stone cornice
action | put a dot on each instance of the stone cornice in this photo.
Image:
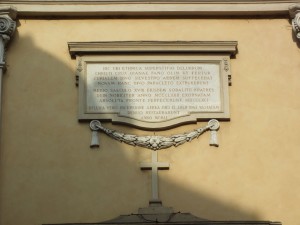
(88, 8)
(294, 9)
(8, 11)
(229, 47)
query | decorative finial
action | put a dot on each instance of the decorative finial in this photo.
(214, 127)
(95, 126)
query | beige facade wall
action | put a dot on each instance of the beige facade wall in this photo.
(48, 174)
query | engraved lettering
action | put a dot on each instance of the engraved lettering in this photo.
(153, 92)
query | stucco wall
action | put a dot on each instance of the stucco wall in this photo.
(48, 174)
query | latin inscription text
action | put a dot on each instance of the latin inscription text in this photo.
(153, 92)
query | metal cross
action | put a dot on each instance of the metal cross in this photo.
(155, 166)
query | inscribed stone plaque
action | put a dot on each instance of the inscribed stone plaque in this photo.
(153, 84)
(154, 93)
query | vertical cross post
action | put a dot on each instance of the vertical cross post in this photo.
(155, 166)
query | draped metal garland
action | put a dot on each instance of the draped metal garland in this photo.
(155, 142)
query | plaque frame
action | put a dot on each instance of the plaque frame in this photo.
(154, 52)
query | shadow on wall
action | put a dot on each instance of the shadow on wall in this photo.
(48, 174)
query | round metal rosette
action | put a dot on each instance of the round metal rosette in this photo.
(95, 125)
(214, 124)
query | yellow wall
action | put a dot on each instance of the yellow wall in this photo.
(48, 174)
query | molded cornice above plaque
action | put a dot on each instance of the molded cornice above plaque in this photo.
(89, 8)
(79, 48)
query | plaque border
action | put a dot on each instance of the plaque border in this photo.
(192, 118)
(217, 52)
(155, 52)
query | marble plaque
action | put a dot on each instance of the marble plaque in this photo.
(154, 94)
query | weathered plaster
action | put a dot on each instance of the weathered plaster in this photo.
(48, 174)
